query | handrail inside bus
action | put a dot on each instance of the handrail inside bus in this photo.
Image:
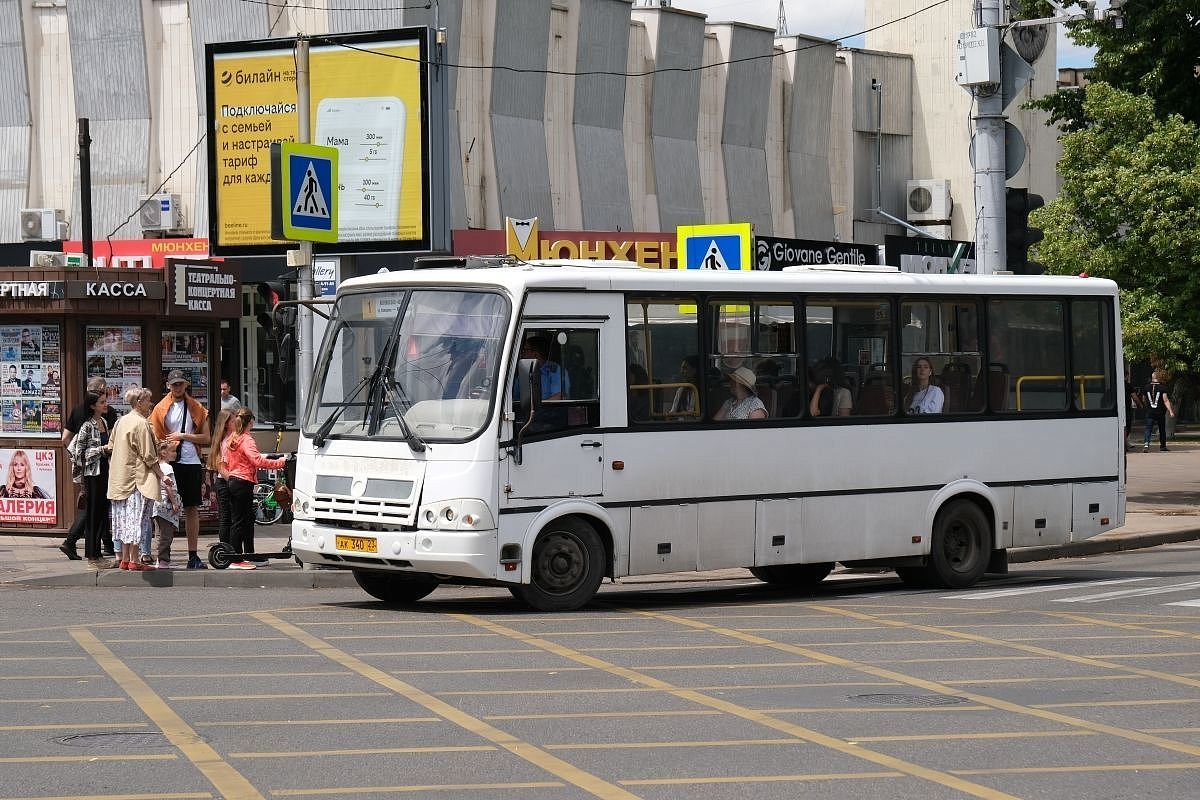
(1080, 379)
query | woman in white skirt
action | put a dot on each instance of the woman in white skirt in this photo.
(133, 477)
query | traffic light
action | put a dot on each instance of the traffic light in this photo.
(1018, 203)
(272, 294)
(279, 323)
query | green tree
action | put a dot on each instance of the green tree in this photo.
(1154, 54)
(1129, 210)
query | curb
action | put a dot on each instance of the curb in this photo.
(336, 579)
(1091, 547)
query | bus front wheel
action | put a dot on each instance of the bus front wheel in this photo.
(567, 567)
(959, 552)
(793, 576)
(394, 588)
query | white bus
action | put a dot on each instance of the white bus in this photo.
(540, 426)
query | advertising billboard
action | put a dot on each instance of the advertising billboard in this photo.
(369, 97)
(27, 487)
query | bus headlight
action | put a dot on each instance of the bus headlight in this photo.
(455, 515)
(302, 505)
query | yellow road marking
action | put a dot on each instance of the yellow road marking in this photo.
(224, 676)
(492, 671)
(1141, 626)
(655, 648)
(42, 658)
(880, 710)
(40, 677)
(941, 688)
(957, 659)
(916, 770)
(241, 723)
(1077, 768)
(1069, 678)
(528, 752)
(830, 776)
(748, 665)
(370, 751)
(346, 791)
(86, 758)
(228, 782)
(1189, 653)
(283, 696)
(650, 745)
(71, 726)
(1026, 648)
(191, 639)
(49, 700)
(952, 737)
(651, 689)
(1118, 703)
(604, 714)
(155, 796)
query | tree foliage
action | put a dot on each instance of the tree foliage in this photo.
(1154, 54)
(1129, 210)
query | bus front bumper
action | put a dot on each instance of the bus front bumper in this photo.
(463, 554)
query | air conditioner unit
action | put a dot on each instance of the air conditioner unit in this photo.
(159, 212)
(928, 200)
(940, 230)
(41, 224)
(47, 259)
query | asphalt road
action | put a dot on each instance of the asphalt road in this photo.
(1065, 679)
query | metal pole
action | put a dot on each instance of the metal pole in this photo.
(304, 366)
(990, 246)
(85, 189)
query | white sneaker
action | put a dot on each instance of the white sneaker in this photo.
(260, 562)
(242, 565)
(164, 565)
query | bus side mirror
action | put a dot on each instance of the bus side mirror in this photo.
(529, 390)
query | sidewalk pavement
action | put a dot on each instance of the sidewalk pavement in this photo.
(1163, 506)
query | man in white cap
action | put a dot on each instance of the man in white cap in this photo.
(178, 417)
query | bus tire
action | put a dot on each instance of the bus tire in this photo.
(567, 567)
(961, 546)
(394, 588)
(793, 576)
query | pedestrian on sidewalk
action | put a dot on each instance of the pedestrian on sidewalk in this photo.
(240, 462)
(180, 418)
(1133, 402)
(79, 415)
(168, 506)
(222, 429)
(133, 477)
(1158, 407)
(89, 451)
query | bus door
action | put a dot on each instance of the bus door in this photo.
(562, 448)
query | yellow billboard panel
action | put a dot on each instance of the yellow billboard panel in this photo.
(366, 100)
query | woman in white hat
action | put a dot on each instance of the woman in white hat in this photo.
(743, 403)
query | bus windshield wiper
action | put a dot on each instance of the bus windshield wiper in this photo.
(414, 440)
(326, 426)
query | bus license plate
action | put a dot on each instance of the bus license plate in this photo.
(357, 544)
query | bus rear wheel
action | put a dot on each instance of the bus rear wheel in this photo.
(567, 567)
(793, 576)
(394, 588)
(958, 555)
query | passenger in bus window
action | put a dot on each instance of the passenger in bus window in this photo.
(923, 396)
(743, 403)
(639, 398)
(684, 403)
(830, 397)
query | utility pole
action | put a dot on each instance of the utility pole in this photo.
(302, 259)
(990, 249)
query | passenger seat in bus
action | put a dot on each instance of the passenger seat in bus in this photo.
(956, 385)
(877, 397)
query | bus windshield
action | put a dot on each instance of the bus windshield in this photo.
(414, 365)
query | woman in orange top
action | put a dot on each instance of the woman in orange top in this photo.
(240, 462)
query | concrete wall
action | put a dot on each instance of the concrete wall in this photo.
(661, 130)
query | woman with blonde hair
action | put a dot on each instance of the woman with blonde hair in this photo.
(133, 478)
(240, 462)
(222, 428)
(20, 478)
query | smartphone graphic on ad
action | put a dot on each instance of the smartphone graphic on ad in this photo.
(369, 135)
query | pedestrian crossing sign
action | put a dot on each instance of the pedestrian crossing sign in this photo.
(309, 186)
(716, 247)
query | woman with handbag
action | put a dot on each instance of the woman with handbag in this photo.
(89, 452)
